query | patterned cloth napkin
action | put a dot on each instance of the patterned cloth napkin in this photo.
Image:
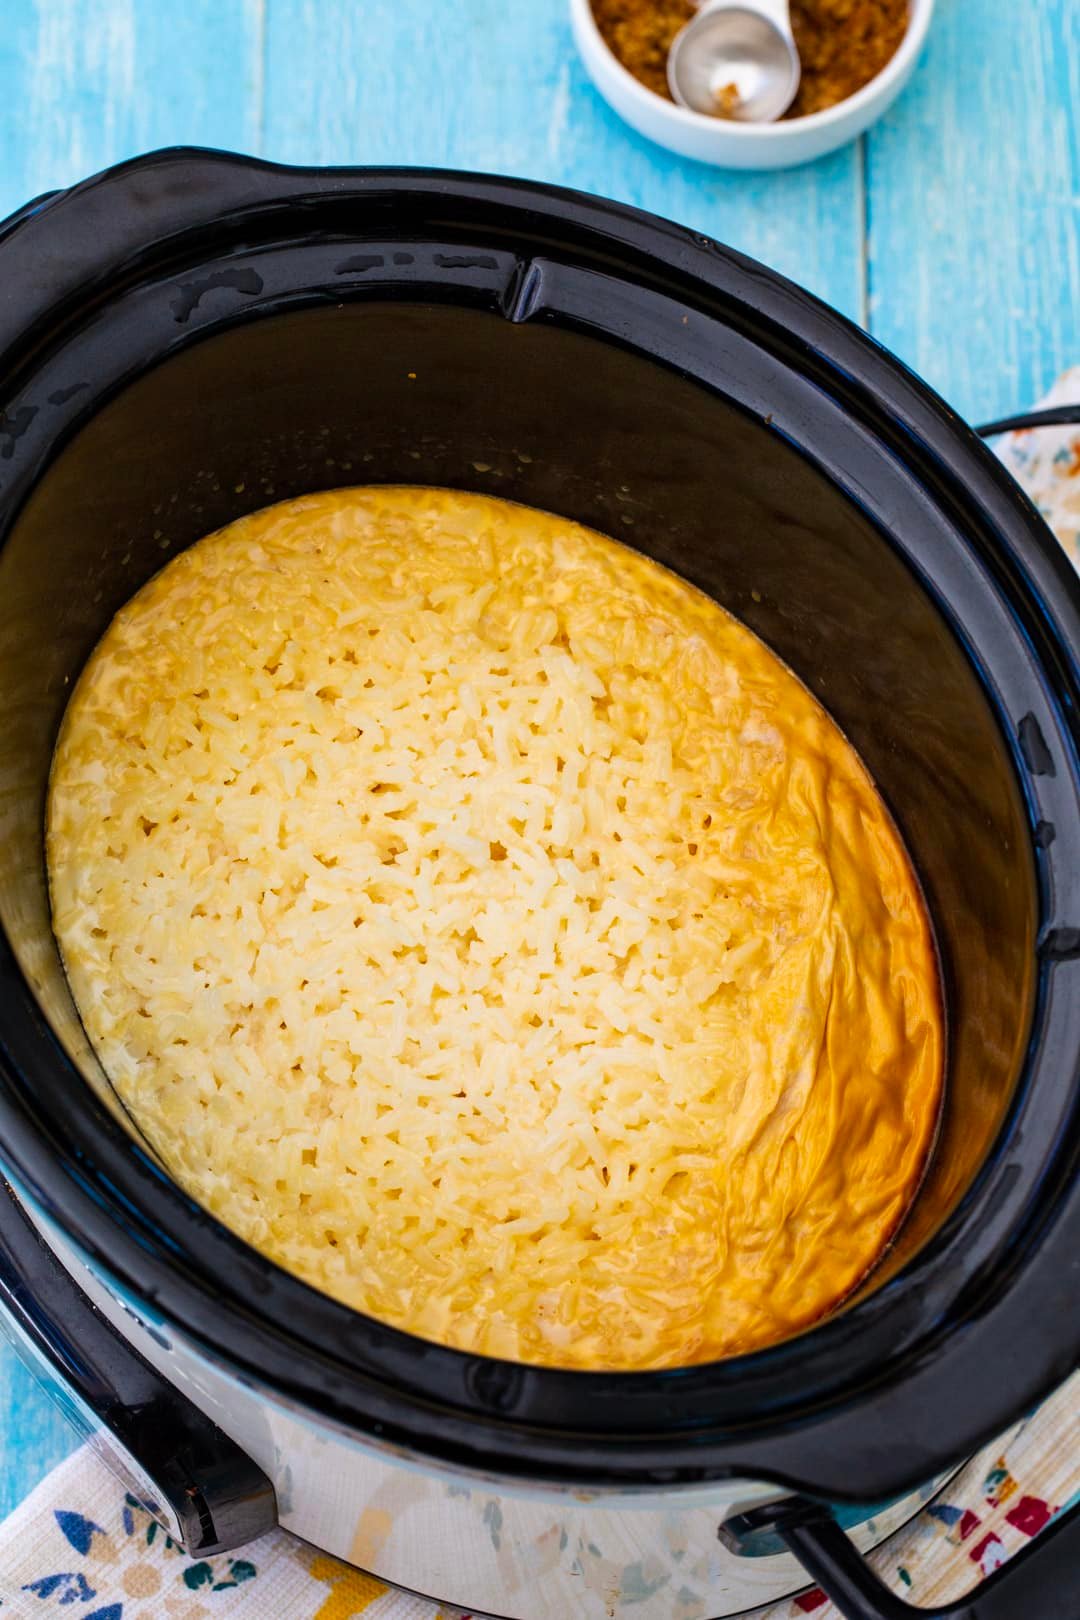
(1047, 464)
(79, 1549)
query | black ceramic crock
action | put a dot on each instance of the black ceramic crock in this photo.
(193, 335)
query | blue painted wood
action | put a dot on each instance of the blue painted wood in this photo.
(970, 188)
(974, 205)
(483, 84)
(34, 1436)
(85, 83)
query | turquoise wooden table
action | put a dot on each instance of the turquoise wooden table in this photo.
(951, 231)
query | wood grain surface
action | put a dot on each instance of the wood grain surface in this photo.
(952, 230)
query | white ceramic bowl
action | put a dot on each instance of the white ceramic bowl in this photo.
(745, 146)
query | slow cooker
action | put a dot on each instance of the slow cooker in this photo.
(193, 335)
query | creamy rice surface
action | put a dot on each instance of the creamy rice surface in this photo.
(491, 930)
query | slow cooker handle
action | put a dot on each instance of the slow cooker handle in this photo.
(1054, 416)
(1043, 1579)
(173, 1459)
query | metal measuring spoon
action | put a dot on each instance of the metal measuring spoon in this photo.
(736, 59)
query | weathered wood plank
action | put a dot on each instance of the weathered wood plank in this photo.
(486, 85)
(85, 83)
(974, 205)
(34, 1436)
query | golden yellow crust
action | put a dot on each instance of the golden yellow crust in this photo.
(489, 928)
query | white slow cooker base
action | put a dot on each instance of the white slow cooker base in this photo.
(489, 1546)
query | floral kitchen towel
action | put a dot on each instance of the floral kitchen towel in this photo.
(1046, 462)
(80, 1548)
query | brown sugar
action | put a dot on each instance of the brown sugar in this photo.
(843, 44)
(640, 32)
(728, 101)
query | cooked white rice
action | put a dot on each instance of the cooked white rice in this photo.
(490, 929)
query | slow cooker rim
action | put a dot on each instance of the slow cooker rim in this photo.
(77, 1208)
(919, 415)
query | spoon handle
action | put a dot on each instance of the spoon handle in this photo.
(778, 12)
